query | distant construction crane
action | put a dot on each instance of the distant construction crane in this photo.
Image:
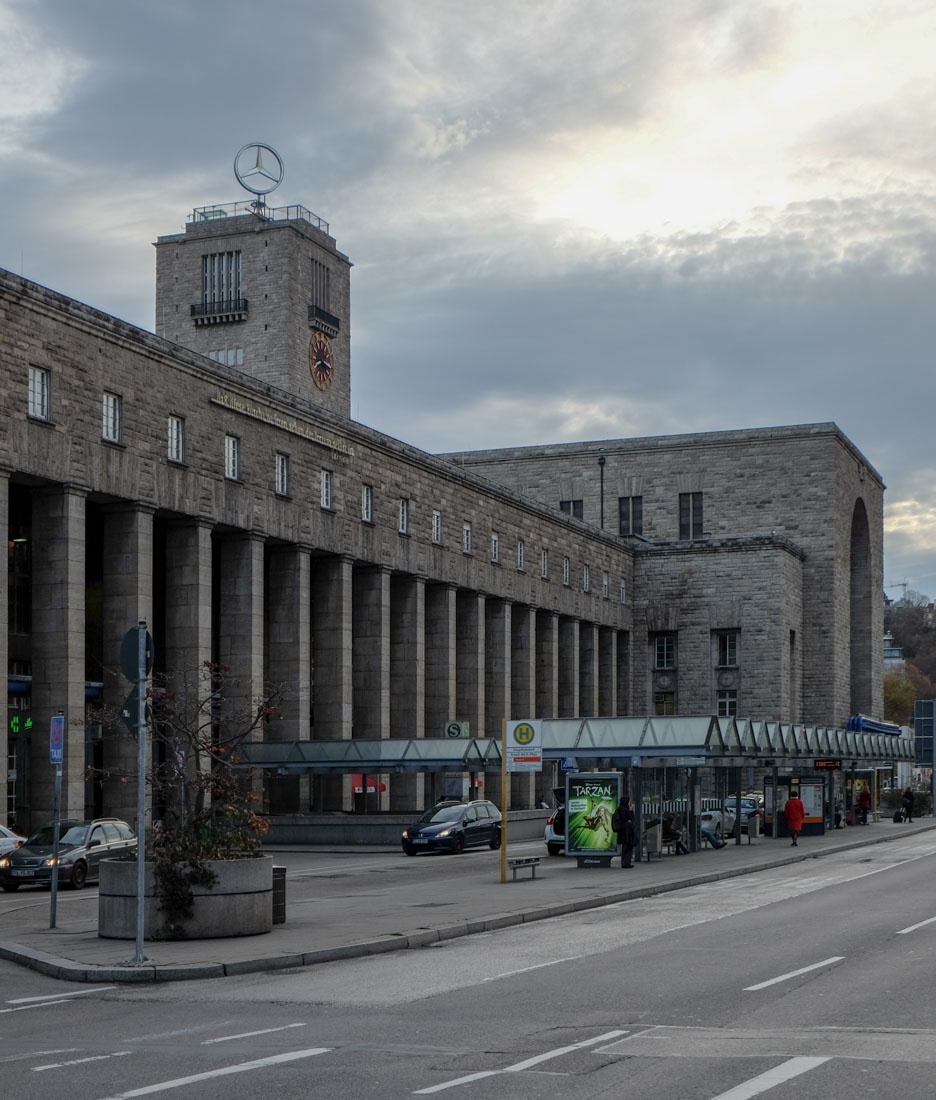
(900, 584)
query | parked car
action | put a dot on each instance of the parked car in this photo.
(554, 834)
(454, 826)
(717, 820)
(749, 805)
(81, 847)
(9, 840)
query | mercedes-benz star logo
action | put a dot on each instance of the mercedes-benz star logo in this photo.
(253, 174)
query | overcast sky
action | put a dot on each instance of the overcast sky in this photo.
(569, 219)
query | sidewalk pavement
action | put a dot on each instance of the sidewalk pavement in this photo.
(341, 913)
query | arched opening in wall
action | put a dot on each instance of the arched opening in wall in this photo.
(860, 596)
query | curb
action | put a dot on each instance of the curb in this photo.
(67, 970)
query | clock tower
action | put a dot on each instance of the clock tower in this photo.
(261, 290)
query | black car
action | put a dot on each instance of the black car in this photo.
(81, 847)
(454, 826)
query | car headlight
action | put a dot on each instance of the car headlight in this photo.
(445, 832)
(62, 860)
(406, 834)
(4, 861)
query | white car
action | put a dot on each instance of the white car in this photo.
(715, 819)
(9, 840)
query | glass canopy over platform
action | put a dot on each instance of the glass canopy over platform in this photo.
(656, 741)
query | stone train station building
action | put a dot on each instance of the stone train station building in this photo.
(209, 480)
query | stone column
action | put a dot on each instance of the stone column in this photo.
(241, 628)
(588, 670)
(5, 536)
(186, 648)
(624, 673)
(441, 622)
(523, 695)
(58, 648)
(371, 662)
(332, 666)
(407, 680)
(547, 664)
(469, 699)
(289, 665)
(607, 672)
(128, 599)
(498, 666)
(568, 668)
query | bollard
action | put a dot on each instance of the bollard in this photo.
(279, 895)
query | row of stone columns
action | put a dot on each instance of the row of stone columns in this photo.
(358, 650)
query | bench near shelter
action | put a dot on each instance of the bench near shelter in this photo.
(523, 863)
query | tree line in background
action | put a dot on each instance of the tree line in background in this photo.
(911, 621)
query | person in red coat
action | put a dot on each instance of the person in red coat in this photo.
(794, 812)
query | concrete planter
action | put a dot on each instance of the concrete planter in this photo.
(239, 904)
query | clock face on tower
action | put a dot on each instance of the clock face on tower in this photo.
(320, 365)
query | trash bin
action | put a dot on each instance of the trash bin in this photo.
(279, 895)
(753, 828)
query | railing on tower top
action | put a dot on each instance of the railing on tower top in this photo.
(270, 213)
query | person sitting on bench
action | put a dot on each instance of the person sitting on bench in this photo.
(672, 835)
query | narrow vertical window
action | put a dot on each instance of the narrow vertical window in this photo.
(367, 503)
(326, 494)
(176, 439)
(495, 546)
(665, 651)
(282, 474)
(544, 562)
(727, 704)
(690, 515)
(110, 418)
(565, 570)
(39, 387)
(231, 457)
(623, 592)
(605, 585)
(521, 555)
(630, 515)
(403, 518)
(586, 578)
(466, 538)
(436, 525)
(727, 649)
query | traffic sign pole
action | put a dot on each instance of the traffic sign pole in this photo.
(503, 860)
(142, 655)
(56, 755)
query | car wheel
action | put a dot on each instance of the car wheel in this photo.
(496, 841)
(79, 876)
(459, 845)
(11, 887)
(554, 849)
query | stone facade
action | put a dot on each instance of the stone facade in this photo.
(241, 513)
(791, 538)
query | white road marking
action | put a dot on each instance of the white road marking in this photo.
(519, 1066)
(60, 996)
(526, 969)
(26, 1008)
(794, 973)
(773, 1077)
(914, 927)
(241, 1067)
(249, 1034)
(81, 1061)
(37, 1054)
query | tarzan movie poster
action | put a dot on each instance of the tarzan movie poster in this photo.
(591, 799)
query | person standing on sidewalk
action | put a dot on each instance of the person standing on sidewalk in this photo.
(907, 802)
(864, 804)
(794, 812)
(624, 823)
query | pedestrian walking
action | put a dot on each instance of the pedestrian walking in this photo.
(794, 812)
(624, 824)
(907, 803)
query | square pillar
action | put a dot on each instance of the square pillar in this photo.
(469, 666)
(523, 694)
(440, 648)
(607, 672)
(547, 664)
(58, 649)
(128, 599)
(588, 670)
(497, 672)
(332, 667)
(407, 680)
(568, 668)
(624, 673)
(240, 623)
